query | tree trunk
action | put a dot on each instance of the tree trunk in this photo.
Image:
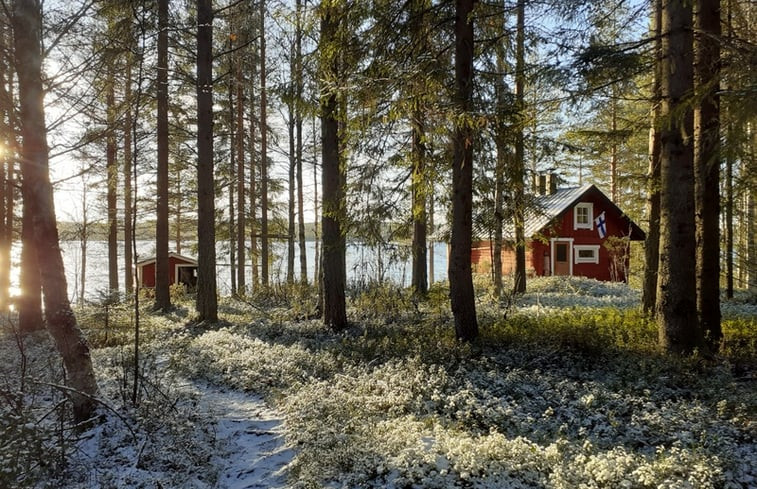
(264, 252)
(517, 173)
(292, 172)
(729, 156)
(37, 194)
(652, 242)
(751, 211)
(679, 330)
(419, 183)
(431, 271)
(419, 193)
(127, 179)
(253, 199)
(30, 303)
(332, 178)
(207, 300)
(707, 167)
(162, 285)
(6, 174)
(461, 292)
(112, 180)
(318, 260)
(241, 219)
(232, 188)
(298, 69)
(500, 140)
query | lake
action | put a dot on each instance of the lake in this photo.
(391, 263)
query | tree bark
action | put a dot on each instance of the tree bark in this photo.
(264, 251)
(207, 299)
(462, 297)
(6, 174)
(127, 179)
(112, 180)
(419, 179)
(30, 316)
(707, 167)
(518, 170)
(37, 195)
(652, 242)
(298, 80)
(162, 285)
(241, 218)
(332, 179)
(679, 330)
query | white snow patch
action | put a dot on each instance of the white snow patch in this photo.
(250, 435)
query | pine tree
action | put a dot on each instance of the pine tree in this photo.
(462, 296)
(207, 299)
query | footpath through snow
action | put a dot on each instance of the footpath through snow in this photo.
(253, 454)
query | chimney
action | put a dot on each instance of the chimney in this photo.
(552, 183)
(542, 188)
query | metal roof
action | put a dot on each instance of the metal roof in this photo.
(548, 207)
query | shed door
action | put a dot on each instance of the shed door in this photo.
(562, 257)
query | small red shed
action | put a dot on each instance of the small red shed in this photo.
(569, 232)
(181, 270)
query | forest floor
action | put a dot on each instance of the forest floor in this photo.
(564, 389)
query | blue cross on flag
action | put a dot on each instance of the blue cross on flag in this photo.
(601, 227)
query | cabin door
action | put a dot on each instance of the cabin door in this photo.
(561, 251)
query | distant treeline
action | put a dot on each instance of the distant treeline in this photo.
(98, 231)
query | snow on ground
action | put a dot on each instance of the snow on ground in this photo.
(253, 454)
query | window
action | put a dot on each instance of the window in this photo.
(583, 216)
(586, 253)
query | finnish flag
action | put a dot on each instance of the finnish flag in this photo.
(601, 227)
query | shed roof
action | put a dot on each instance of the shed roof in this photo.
(171, 254)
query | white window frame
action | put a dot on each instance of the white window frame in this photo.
(589, 206)
(577, 249)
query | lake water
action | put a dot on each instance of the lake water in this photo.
(365, 264)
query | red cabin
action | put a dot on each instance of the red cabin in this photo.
(571, 231)
(181, 270)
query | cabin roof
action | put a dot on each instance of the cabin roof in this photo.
(547, 208)
(171, 254)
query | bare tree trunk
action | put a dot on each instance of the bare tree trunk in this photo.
(292, 172)
(462, 298)
(83, 242)
(652, 243)
(729, 157)
(253, 200)
(207, 299)
(332, 176)
(264, 252)
(37, 194)
(126, 173)
(7, 130)
(232, 188)
(501, 135)
(419, 183)
(112, 180)
(298, 69)
(318, 275)
(517, 173)
(751, 211)
(241, 219)
(30, 303)
(162, 285)
(679, 330)
(431, 271)
(707, 167)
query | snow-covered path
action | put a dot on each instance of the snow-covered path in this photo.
(253, 454)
